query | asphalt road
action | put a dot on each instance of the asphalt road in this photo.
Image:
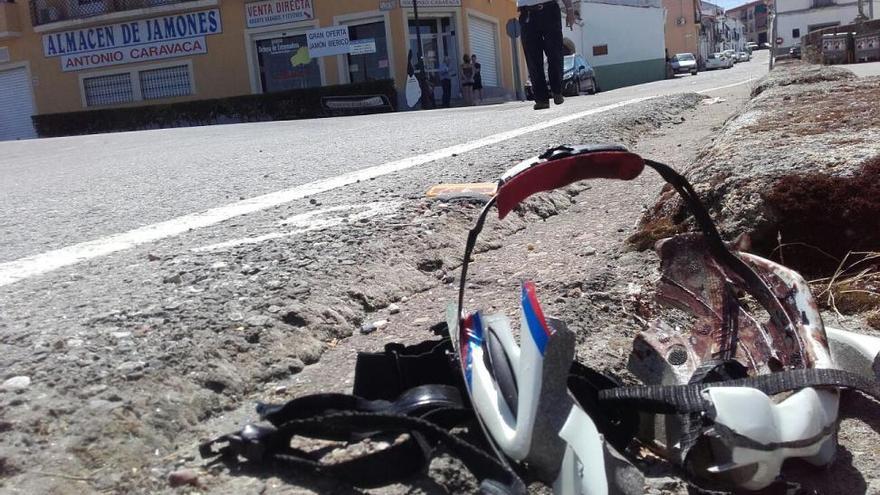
(63, 191)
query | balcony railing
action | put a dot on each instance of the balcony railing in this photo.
(48, 11)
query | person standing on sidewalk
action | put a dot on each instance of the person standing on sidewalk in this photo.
(445, 82)
(541, 23)
(478, 78)
(467, 80)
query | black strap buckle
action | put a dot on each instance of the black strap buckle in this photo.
(250, 443)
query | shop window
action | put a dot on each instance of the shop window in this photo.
(795, 33)
(108, 90)
(372, 63)
(165, 82)
(285, 64)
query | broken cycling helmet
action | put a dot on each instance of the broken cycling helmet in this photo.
(746, 332)
(739, 375)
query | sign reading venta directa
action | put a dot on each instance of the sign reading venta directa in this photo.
(145, 39)
(271, 12)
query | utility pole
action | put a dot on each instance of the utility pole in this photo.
(771, 9)
(420, 58)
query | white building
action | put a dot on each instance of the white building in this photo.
(734, 34)
(720, 31)
(796, 18)
(711, 20)
(623, 40)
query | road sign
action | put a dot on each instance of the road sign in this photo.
(513, 28)
(779, 40)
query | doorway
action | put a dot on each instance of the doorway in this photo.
(438, 41)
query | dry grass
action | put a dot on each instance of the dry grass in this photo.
(854, 287)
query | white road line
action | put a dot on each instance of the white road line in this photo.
(307, 222)
(38, 264)
(747, 81)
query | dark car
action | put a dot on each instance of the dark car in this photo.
(795, 51)
(577, 77)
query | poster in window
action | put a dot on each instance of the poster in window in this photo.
(285, 64)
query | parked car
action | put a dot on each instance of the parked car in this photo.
(752, 46)
(795, 51)
(682, 63)
(731, 59)
(765, 46)
(718, 61)
(743, 56)
(577, 77)
(731, 54)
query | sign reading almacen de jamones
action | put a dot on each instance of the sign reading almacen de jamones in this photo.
(144, 39)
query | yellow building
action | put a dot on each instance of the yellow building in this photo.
(71, 55)
(682, 26)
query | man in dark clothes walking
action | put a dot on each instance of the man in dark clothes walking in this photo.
(541, 22)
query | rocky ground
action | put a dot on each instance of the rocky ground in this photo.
(806, 141)
(120, 400)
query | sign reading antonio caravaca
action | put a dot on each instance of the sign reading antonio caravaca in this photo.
(145, 39)
(271, 12)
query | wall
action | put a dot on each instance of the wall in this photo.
(227, 69)
(681, 38)
(57, 91)
(812, 42)
(844, 14)
(790, 5)
(635, 55)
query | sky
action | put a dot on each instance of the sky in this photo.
(729, 4)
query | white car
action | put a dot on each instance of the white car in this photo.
(731, 54)
(718, 61)
(743, 56)
(682, 63)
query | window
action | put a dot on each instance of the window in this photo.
(108, 90)
(285, 64)
(822, 3)
(370, 61)
(600, 50)
(144, 83)
(166, 82)
(796, 33)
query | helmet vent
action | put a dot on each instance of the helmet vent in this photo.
(677, 355)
